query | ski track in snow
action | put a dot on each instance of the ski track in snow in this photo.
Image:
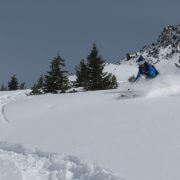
(6, 99)
(20, 163)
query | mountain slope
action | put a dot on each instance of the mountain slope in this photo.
(137, 137)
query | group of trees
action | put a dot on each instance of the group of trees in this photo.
(89, 74)
(13, 84)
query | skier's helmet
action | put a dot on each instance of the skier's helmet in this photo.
(141, 60)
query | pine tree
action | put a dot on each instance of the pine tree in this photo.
(3, 88)
(91, 75)
(40, 82)
(113, 84)
(38, 88)
(56, 79)
(13, 84)
(110, 81)
(81, 74)
(95, 65)
(22, 86)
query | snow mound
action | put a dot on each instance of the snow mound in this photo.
(20, 163)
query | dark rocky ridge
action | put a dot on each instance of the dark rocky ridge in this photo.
(170, 36)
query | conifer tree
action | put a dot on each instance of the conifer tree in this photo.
(110, 81)
(56, 79)
(3, 88)
(95, 65)
(13, 84)
(90, 75)
(81, 74)
(38, 88)
(40, 82)
(22, 86)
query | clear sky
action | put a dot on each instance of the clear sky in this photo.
(32, 31)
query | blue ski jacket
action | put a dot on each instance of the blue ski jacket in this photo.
(148, 70)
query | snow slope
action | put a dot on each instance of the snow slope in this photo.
(23, 163)
(138, 138)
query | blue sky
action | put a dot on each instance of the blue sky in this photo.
(32, 31)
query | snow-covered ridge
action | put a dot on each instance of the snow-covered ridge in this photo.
(166, 46)
(20, 163)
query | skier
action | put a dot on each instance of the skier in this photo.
(146, 69)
